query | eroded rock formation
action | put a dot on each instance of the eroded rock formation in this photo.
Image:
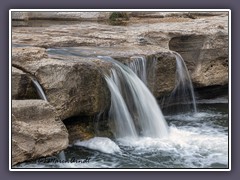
(22, 87)
(36, 130)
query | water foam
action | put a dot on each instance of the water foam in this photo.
(193, 147)
(102, 144)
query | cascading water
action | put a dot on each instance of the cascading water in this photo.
(122, 117)
(183, 92)
(133, 105)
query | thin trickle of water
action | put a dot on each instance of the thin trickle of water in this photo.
(131, 97)
(39, 89)
(144, 69)
(183, 92)
(139, 67)
(184, 81)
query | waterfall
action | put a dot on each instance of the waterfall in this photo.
(133, 110)
(183, 92)
(39, 89)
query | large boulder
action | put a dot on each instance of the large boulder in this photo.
(36, 130)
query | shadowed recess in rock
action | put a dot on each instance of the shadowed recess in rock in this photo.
(39, 89)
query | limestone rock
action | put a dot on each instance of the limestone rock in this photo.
(205, 74)
(24, 55)
(22, 87)
(74, 86)
(164, 80)
(36, 130)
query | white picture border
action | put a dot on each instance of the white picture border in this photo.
(112, 10)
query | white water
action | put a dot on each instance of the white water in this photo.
(188, 147)
(102, 144)
(131, 97)
(39, 89)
